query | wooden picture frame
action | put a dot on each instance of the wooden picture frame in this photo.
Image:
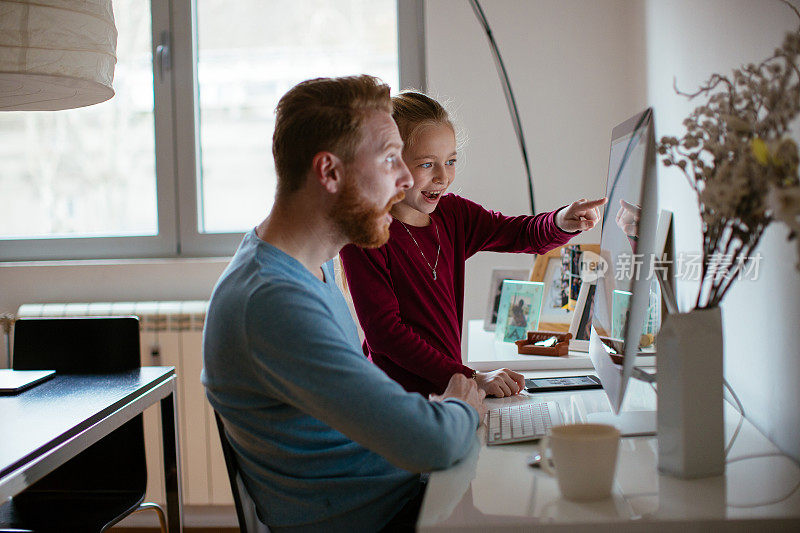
(562, 284)
(495, 288)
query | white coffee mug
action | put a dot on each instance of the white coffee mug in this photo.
(584, 459)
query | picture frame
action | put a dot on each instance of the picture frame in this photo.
(581, 325)
(518, 313)
(560, 270)
(495, 288)
(549, 269)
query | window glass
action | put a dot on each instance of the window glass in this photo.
(250, 52)
(89, 171)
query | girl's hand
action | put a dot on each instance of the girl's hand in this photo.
(500, 383)
(580, 216)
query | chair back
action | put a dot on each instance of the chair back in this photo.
(246, 513)
(88, 345)
(83, 345)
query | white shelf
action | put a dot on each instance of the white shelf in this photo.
(483, 353)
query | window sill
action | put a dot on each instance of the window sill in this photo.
(155, 261)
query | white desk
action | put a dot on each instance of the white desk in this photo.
(484, 354)
(493, 488)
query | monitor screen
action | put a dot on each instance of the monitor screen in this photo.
(622, 322)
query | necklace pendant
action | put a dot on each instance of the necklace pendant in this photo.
(438, 247)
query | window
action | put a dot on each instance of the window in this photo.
(179, 162)
(84, 174)
(242, 75)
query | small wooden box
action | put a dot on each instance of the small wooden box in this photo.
(560, 349)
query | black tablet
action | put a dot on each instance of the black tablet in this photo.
(562, 383)
(14, 381)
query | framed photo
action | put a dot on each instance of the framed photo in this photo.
(581, 325)
(556, 313)
(620, 307)
(561, 271)
(495, 288)
(520, 305)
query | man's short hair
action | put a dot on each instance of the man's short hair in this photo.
(323, 114)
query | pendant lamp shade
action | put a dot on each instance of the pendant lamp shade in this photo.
(56, 54)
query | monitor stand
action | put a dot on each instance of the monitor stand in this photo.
(629, 423)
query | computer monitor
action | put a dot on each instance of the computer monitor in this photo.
(625, 296)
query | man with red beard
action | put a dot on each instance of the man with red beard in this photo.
(324, 439)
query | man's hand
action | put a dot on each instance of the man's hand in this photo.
(500, 383)
(464, 389)
(580, 216)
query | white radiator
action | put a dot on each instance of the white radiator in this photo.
(171, 335)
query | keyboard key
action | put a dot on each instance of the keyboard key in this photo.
(519, 422)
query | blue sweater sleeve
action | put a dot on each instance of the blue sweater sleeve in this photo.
(306, 360)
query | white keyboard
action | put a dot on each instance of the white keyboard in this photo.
(520, 422)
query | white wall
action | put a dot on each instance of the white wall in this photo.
(576, 68)
(690, 40)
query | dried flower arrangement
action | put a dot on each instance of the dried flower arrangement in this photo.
(740, 161)
(784, 202)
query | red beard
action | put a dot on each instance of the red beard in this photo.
(359, 220)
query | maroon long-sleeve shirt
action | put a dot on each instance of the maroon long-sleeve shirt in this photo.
(411, 322)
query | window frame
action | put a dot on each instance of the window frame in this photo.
(177, 147)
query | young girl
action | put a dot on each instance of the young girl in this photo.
(409, 293)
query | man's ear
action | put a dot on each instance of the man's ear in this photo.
(328, 170)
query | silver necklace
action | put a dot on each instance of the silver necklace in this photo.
(438, 247)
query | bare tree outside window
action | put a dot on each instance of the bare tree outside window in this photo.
(89, 171)
(85, 183)
(250, 53)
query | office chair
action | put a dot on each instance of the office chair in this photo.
(246, 513)
(107, 481)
